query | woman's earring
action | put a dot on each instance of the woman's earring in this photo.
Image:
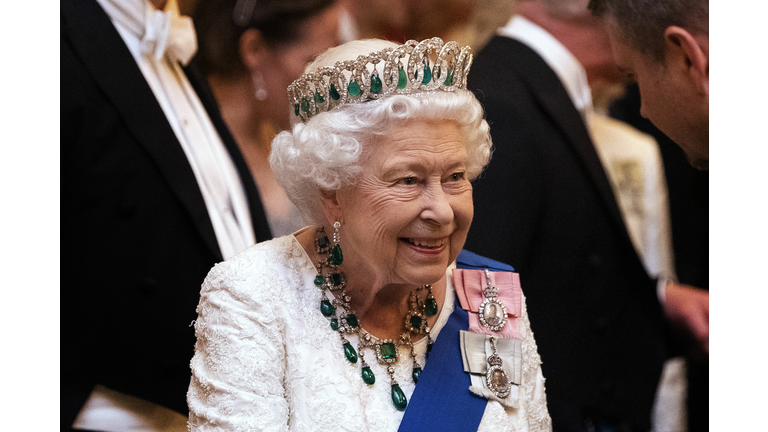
(336, 256)
(260, 86)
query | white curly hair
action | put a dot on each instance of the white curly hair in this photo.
(327, 152)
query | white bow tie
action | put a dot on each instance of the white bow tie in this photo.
(169, 33)
(160, 32)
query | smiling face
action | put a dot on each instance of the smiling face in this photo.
(407, 217)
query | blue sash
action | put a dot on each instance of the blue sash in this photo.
(442, 401)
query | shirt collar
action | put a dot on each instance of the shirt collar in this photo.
(568, 69)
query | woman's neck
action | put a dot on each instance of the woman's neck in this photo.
(238, 106)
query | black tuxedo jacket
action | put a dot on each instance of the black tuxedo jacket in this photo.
(545, 206)
(137, 241)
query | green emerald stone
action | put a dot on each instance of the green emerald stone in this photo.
(449, 80)
(388, 350)
(296, 109)
(416, 374)
(375, 84)
(334, 93)
(336, 256)
(368, 376)
(354, 88)
(402, 79)
(318, 97)
(350, 353)
(336, 279)
(415, 321)
(334, 324)
(318, 280)
(352, 321)
(304, 105)
(326, 308)
(427, 75)
(430, 307)
(323, 243)
(398, 398)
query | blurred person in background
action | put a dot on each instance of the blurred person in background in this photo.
(601, 328)
(373, 19)
(154, 192)
(471, 22)
(664, 46)
(251, 51)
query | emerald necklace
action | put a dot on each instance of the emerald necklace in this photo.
(343, 320)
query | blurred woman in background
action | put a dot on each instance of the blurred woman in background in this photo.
(251, 51)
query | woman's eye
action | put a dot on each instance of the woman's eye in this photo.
(408, 180)
(457, 176)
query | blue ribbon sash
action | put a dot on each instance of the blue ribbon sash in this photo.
(442, 401)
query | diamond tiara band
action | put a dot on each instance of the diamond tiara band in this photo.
(431, 66)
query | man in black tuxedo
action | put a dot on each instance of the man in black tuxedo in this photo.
(138, 230)
(545, 206)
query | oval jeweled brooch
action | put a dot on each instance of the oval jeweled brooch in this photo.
(492, 312)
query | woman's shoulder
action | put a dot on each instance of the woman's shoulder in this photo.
(254, 267)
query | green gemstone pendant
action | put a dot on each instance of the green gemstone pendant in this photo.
(350, 353)
(336, 256)
(416, 374)
(326, 308)
(352, 321)
(375, 84)
(430, 307)
(296, 109)
(322, 244)
(334, 93)
(416, 322)
(319, 280)
(398, 398)
(368, 376)
(449, 80)
(334, 324)
(427, 74)
(354, 88)
(402, 79)
(318, 97)
(388, 350)
(304, 105)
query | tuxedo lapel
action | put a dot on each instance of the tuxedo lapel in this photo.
(103, 52)
(554, 100)
(258, 217)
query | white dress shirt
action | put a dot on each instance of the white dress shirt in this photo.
(138, 22)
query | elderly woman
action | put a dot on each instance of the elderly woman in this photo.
(373, 318)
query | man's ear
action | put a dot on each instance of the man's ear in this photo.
(331, 206)
(692, 52)
(252, 49)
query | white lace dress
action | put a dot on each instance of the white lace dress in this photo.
(266, 359)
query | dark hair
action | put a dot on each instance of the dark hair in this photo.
(220, 24)
(641, 23)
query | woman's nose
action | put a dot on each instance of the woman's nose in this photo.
(437, 206)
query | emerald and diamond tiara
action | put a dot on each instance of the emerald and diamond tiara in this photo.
(431, 66)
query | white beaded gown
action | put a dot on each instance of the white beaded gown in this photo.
(266, 359)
